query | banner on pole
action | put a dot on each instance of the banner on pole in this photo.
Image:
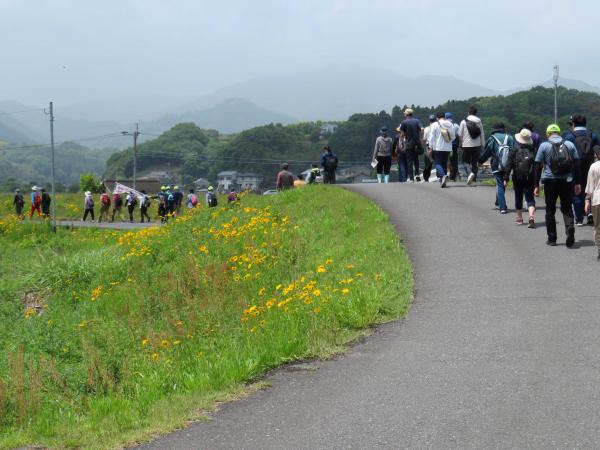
(122, 189)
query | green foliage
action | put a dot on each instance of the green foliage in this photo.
(89, 182)
(141, 329)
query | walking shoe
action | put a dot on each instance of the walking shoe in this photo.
(551, 243)
(505, 211)
(471, 179)
(570, 238)
(590, 219)
(531, 223)
(411, 181)
(444, 180)
(519, 221)
(579, 224)
(418, 178)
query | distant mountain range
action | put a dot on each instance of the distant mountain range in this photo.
(327, 94)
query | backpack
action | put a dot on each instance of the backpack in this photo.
(117, 201)
(523, 163)
(473, 129)
(194, 200)
(330, 163)
(503, 153)
(445, 134)
(561, 160)
(105, 200)
(584, 145)
(170, 198)
(212, 200)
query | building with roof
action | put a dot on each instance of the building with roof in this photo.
(240, 181)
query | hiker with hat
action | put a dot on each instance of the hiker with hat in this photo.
(36, 202)
(285, 178)
(382, 155)
(45, 204)
(19, 203)
(592, 198)
(88, 206)
(521, 164)
(584, 141)
(162, 204)
(412, 135)
(471, 137)
(329, 163)
(560, 176)
(498, 147)
(211, 197)
(399, 154)
(454, 170)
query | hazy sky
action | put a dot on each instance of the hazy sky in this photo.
(76, 50)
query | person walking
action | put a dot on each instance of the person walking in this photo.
(584, 141)
(144, 205)
(592, 198)
(36, 202)
(329, 163)
(162, 204)
(441, 134)
(19, 203)
(498, 147)
(104, 206)
(285, 178)
(117, 204)
(170, 202)
(88, 206)
(211, 198)
(314, 173)
(399, 155)
(471, 138)
(191, 200)
(232, 197)
(45, 204)
(412, 135)
(521, 164)
(382, 154)
(427, 162)
(454, 170)
(130, 202)
(560, 175)
(178, 199)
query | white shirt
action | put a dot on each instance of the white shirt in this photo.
(436, 138)
(593, 183)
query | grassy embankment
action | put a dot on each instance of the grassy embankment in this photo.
(141, 330)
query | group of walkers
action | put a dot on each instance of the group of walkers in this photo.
(563, 164)
(40, 203)
(329, 164)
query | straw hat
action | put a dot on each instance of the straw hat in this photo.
(524, 137)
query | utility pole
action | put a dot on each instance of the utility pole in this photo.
(555, 91)
(135, 135)
(51, 114)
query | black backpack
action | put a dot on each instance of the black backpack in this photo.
(473, 129)
(523, 163)
(330, 163)
(561, 160)
(212, 200)
(584, 146)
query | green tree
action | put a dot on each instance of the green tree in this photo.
(89, 182)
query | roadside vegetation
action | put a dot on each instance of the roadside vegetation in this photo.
(110, 337)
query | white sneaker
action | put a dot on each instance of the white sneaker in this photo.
(411, 181)
(471, 178)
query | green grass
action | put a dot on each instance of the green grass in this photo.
(141, 330)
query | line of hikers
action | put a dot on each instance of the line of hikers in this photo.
(40, 203)
(326, 174)
(563, 164)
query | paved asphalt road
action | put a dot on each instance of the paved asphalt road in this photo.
(500, 350)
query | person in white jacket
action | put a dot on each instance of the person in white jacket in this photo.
(441, 135)
(471, 138)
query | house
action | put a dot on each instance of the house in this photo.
(156, 175)
(327, 129)
(249, 181)
(226, 181)
(201, 184)
(149, 185)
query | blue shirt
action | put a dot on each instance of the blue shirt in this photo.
(544, 155)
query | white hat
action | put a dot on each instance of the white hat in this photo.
(88, 193)
(524, 137)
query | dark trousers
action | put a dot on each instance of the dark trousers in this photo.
(441, 162)
(412, 162)
(471, 158)
(19, 209)
(402, 167)
(454, 172)
(144, 213)
(579, 200)
(130, 209)
(553, 190)
(328, 177)
(114, 213)
(523, 188)
(384, 164)
(427, 165)
(86, 212)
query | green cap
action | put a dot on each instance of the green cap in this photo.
(553, 128)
